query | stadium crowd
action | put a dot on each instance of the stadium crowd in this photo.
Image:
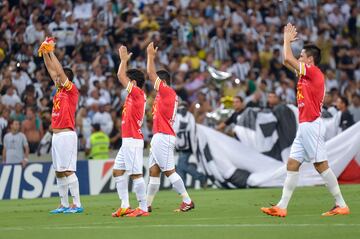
(240, 37)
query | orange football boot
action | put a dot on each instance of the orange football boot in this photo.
(138, 213)
(337, 211)
(274, 211)
(122, 212)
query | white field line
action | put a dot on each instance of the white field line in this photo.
(176, 226)
(21, 228)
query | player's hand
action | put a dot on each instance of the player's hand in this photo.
(151, 50)
(123, 53)
(47, 46)
(290, 33)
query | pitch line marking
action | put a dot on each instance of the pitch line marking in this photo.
(176, 225)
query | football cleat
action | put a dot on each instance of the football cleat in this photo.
(149, 208)
(122, 212)
(274, 211)
(138, 213)
(74, 209)
(337, 211)
(184, 207)
(59, 210)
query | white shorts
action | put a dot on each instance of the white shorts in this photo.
(64, 151)
(162, 151)
(309, 143)
(130, 156)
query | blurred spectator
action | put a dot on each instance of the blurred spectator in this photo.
(346, 119)
(200, 107)
(354, 108)
(238, 106)
(243, 38)
(103, 118)
(32, 128)
(20, 79)
(219, 45)
(115, 135)
(4, 119)
(16, 148)
(82, 10)
(185, 128)
(83, 125)
(18, 113)
(97, 146)
(241, 68)
(329, 109)
(272, 100)
(11, 98)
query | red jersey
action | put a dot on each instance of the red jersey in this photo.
(310, 92)
(133, 112)
(164, 109)
(64, 107)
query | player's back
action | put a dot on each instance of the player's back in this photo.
(133, 113)
(64, 107)
(164, 110)
(310, 92)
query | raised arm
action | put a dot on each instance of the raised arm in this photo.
(54, 68)
(289, 36)
(124, 58)
(58, 68)
(49, 66)
(151, 54)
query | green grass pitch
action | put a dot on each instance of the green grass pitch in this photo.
(218, 214)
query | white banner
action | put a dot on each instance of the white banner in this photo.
(221, 156)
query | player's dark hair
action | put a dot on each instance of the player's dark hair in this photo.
(136, 75)
(344, 100)
(314, 51)
(239, 98)
(69, 73)
(164, 75)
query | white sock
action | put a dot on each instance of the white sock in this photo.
(123, 191)
(140, 191)
(152, 189)
(74, 189)
(63, 188)
(178, 185)
(290, 184)
(333, 186)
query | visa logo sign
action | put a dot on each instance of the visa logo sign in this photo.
(36, 180)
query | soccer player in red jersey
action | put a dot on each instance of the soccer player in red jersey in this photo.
(309, 143)
(64, 139)
(163, 141)
(130, 156)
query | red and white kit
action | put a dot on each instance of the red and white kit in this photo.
(130, 155)
(163, 140)
(64, 144)
(309, 143)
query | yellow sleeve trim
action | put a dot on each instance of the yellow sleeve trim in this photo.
(302, 69)
(67, 85)
(129, 87)
(157, 84)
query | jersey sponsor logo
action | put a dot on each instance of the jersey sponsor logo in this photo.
(299, 94)
(154, 109)
(56, 106)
